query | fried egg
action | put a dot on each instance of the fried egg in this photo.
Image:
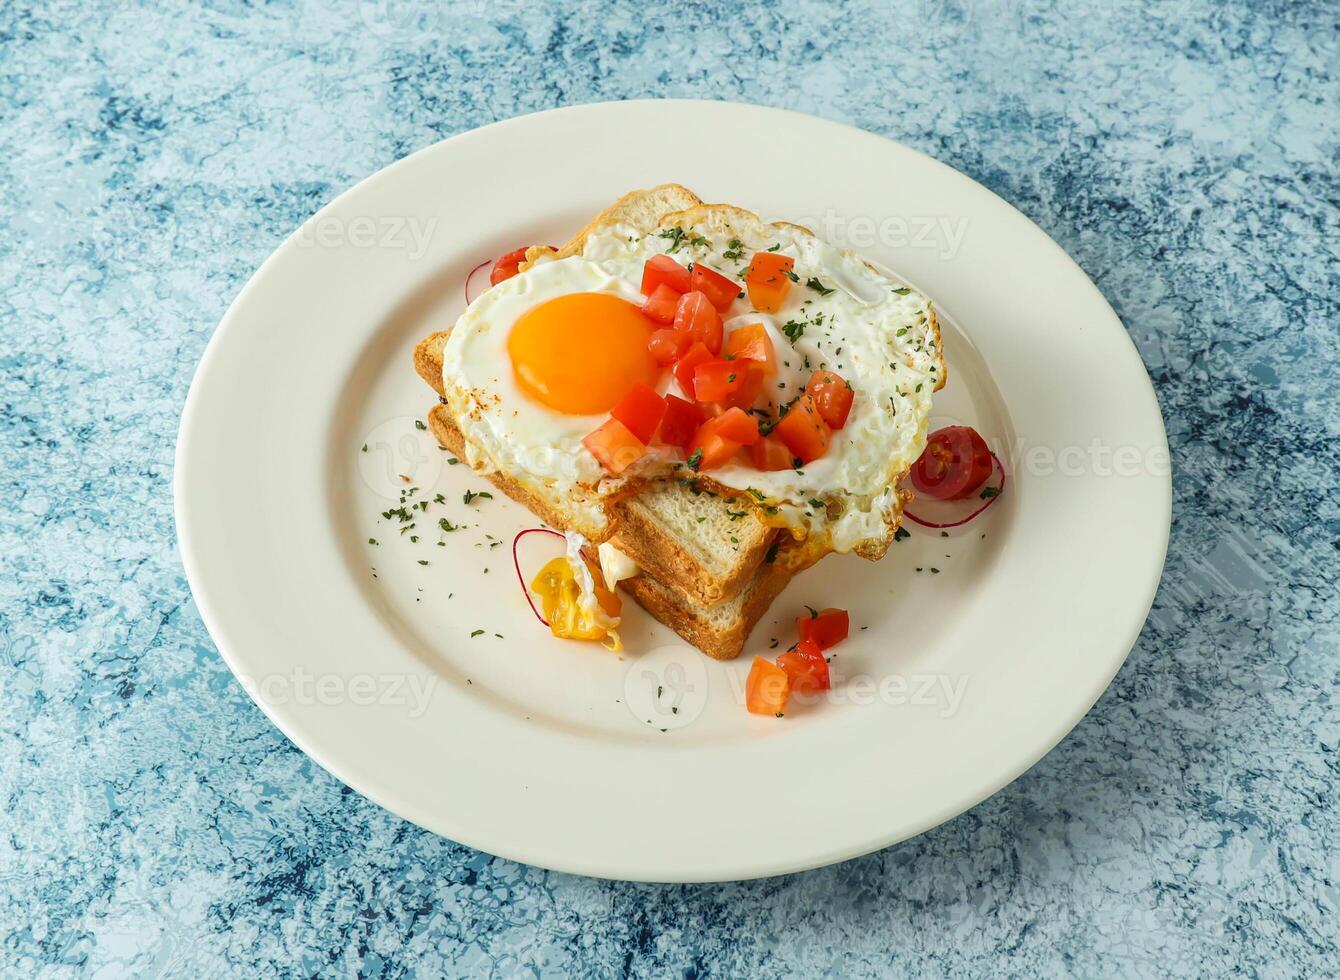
(535, 364)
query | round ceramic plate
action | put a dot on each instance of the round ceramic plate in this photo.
(408, 664)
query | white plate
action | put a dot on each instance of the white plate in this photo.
(552, 752)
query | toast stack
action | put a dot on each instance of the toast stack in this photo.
(709, 566)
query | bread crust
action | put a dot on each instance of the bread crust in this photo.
(694, 623)
(656, 550)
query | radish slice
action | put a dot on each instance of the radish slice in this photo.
(516, 563)
(478, 280)
(996, 465)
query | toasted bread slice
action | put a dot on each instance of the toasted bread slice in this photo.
(702, 546)
(720, 631)
(644, 210)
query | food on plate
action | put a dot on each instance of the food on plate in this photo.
(719, 400)
(577, 603)
(802, 669)
(955, 462)
(952, 477)
(825, 629)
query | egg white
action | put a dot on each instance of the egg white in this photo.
(863, 323)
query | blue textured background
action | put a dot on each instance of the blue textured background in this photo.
(1184, 152)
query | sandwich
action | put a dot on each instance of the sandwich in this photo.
(706, 402)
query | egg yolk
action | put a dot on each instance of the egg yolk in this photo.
(580, 354)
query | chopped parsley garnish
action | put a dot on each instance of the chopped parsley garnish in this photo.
(372, 540)
(695, 460)
(675, 236)
(902, 290)
(418, 424)
(735, 251)
(423, 561)
(901, 533)
(816, 503)
(794, 330)
(475, 633)
(791, 275)
(989, 492)
(678, 236)
(817, 286)
(774, 248)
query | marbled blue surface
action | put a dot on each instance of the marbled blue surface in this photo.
(152, 820)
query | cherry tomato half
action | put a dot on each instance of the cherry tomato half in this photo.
(506, 267)
(956, 462)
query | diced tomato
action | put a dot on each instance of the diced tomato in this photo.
(767, 280)
(641, 410)
(506, 267)
(688, 362)
(661, 270)
(750, 385)
(666, 345)
(736, 426)
(766, 690)
(660, 306)
(696, 317)
(710, 449)
(720, 290)
(827, 628)
(614, 446)
(806, 668)
(752, 343)
(804, 431)
(770, 453)
(832, 397)
(955, 463)
(718, 379)
(681, 421)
